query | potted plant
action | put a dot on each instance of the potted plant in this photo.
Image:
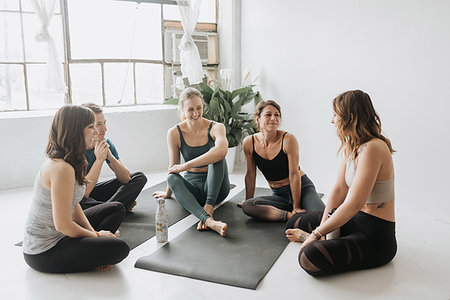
(226, 107)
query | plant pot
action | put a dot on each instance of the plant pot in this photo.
(231, 155)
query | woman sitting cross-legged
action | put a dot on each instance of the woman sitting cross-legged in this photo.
(362, 198)
(58, 236)
(276, 154)
(203, 145)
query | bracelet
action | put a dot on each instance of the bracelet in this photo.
(317, 234)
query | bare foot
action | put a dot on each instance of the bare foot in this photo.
(201, 226)
(117, 233)
(297, 235)
(104, 268)
(131, 207)
(217, 226)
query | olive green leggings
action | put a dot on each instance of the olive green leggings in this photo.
(194, 190)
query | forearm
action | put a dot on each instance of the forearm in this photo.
(341, 216)
(296, 189)
(121, 171)
(335, 200)
(92, 177)
(214, 155)
(80, 218)
(249, 186)
(74, 230)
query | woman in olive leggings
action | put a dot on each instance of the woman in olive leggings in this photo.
(203, 144)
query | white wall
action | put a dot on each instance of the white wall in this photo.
(398, 52)
(140, 137)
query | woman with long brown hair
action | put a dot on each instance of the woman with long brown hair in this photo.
(361, 204)
(58, 236)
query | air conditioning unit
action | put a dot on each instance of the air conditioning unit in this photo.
(172, 76)
(206, 42)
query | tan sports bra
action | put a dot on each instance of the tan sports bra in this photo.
(383, 190)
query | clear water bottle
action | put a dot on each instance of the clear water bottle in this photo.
(161, 222)
(335, 233)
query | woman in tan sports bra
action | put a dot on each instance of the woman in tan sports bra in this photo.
(362, 199)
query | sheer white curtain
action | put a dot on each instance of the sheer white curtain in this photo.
(191, 64)
(45, 10)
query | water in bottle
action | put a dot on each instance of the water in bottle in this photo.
(161, 222)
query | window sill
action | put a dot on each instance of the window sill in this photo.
(116, 109)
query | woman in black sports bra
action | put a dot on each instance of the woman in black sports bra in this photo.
(203, 144)
(276, 154)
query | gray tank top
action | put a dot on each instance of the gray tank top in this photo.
(40, 232)
(382, 191)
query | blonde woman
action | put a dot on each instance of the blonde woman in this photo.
(203, 144)
(362, 199)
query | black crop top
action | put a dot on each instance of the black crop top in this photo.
(275, 169)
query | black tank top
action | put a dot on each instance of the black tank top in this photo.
(275, 169)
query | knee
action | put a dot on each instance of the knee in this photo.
(122, 250)
(291, 222)
(174, 179)
(139, 177)
(248, 207)
(306, 262)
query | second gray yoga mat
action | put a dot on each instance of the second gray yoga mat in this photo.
(242, 258)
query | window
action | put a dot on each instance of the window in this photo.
(112, 52)
(22, 59)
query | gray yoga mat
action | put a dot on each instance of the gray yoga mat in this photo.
(242, 258)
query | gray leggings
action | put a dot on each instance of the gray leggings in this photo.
(194, 190)
(275, 207)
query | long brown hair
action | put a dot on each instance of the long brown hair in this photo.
(66, 137)
(359, 120)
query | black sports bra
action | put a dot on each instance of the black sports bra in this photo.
(274, 169)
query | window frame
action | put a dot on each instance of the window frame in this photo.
(68, 60)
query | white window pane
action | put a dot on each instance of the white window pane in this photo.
(149, 83)
(10, 37)
(12, 87)
(10, 5)
(207, 12)
(39, 98)
(107, 28)
(86, 83)
(27, 5)
(119, 87)
(37, 52)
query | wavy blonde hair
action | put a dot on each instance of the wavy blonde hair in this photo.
(357, 122)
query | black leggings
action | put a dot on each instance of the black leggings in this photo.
(114, 191)
(71, 255)
(275, 207)
(365, 242)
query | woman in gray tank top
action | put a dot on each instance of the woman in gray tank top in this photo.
(203, 145)
(58, 236)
